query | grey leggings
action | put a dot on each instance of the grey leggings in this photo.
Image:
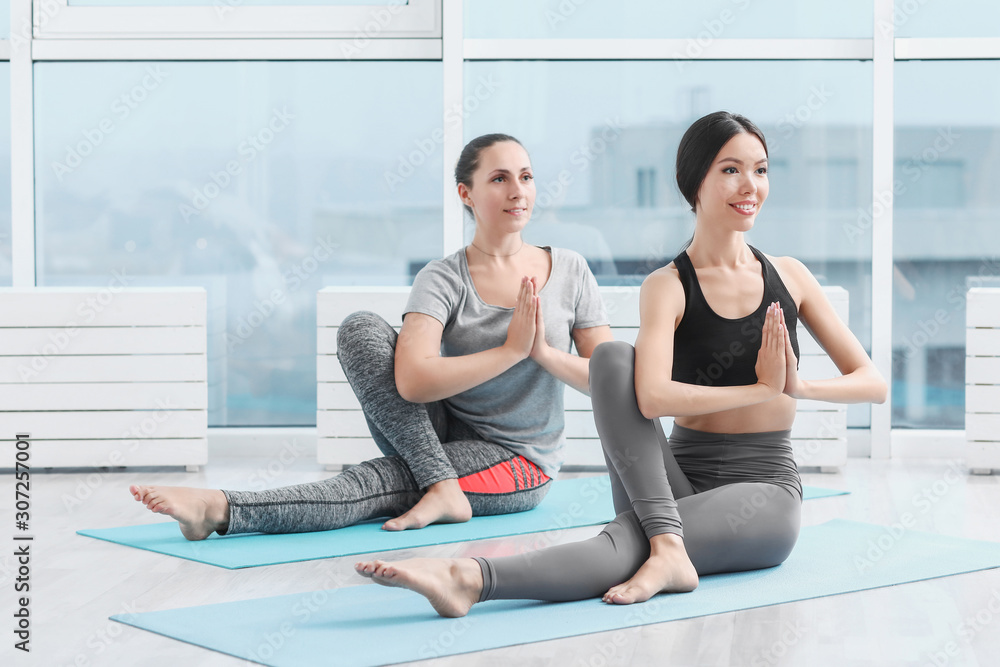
(734, 498)
(423, 444)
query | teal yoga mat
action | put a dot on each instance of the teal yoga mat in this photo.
(350, 625)
(584, 501)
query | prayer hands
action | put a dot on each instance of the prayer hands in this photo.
(522, 332)
(772, 366)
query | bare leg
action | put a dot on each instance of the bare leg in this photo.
(443, 502)
(451, 585)
(200, 512)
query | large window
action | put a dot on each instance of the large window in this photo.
(264, 150)
(946, 229)
(261, 181)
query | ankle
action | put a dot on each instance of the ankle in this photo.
(468, 572)
(218, 511)
(449, 486)
(666, 544)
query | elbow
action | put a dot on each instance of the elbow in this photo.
(646, 406)
(881, 392)
(409, 389)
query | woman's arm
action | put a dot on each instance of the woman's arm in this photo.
(661, 305)
(860, 381)
(572, 369)
(423, 375)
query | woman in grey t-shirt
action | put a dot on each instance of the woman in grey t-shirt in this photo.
(466, 402)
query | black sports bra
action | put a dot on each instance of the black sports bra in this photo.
(713, 350)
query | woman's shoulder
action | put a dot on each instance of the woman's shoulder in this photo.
(447, 270)
(570, 259)
(795, 275)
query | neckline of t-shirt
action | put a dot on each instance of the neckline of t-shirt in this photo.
(464, 261)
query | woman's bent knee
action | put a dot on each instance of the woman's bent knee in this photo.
(360, 327)
(612, 369)
(612, 355)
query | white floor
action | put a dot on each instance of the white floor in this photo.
(77, 582)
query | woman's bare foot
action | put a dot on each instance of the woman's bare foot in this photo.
(451, 585)
(200, 512)
(668, 570)
(444, 502)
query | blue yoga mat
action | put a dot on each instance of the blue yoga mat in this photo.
(353, 623)
(585, 501)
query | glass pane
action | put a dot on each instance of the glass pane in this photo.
(954, 18)
(700, 22)
(5, 228)
(261, 181)
(5, 21)
(604, 162)
(945, 226)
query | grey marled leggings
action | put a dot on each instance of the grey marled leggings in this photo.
(734, 498)
(423, 444)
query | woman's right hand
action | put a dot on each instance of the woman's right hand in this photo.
(521, 330)
(771, 357)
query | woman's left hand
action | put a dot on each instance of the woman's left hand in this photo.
(540, 346)
(793, 385)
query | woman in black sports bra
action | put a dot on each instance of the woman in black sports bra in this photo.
(717, 351)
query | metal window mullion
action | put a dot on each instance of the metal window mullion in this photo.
(667, 49)
(452, 37)
(22, 156)
(883, 128)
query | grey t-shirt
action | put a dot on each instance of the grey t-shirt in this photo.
(522, 408)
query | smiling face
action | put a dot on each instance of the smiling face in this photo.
(735, 186)
(503, 188)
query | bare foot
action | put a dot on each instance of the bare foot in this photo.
(200, 512)
(444, 502)
(668, 570)
(451, 585)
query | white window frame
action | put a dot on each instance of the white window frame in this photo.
(57, 19)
